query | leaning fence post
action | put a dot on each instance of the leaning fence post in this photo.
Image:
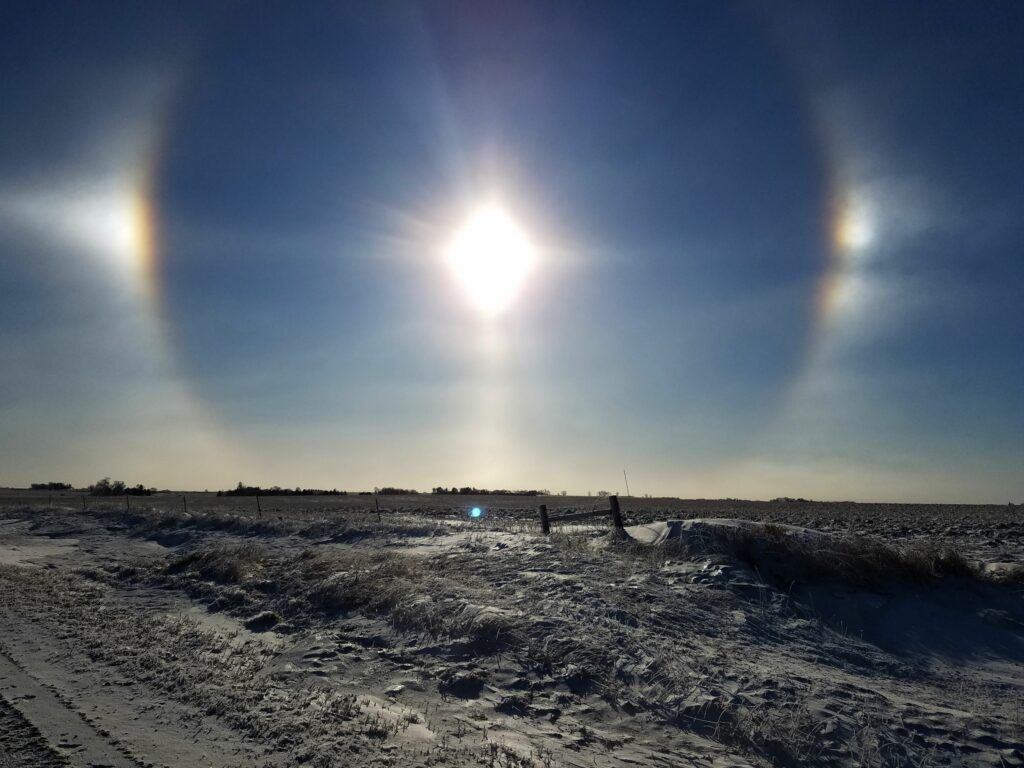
(184, 503)
(259, 509)
(545, 524)
(376, 503)
(616, 514)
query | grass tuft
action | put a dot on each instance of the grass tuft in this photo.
(784, 558)
(229, 564)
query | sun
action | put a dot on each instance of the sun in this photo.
(490, 257)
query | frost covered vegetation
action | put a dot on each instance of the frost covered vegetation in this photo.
(331, 636)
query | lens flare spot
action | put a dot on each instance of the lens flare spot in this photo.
(476, 512)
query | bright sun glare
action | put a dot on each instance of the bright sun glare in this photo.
(491, 257)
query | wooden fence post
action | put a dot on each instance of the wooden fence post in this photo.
(259, 509)
(616, 514)
(184, 503)
(545, 524)
(127, 503)
(83, 503)
(376, 503)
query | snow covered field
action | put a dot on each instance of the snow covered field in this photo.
(714, 633)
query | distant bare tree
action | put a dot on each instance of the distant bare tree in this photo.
(105, 487)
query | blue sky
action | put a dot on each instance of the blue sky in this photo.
(779, 246)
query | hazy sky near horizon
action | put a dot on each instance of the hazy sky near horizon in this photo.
(779, 246)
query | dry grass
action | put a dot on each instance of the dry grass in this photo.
(311, 523)
(783, 559)
(227, 564)
(399, 588)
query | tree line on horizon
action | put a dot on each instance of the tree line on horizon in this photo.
(275, 490)
(470, 491)
(106, 487)
(255, 490)
(102, 487)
